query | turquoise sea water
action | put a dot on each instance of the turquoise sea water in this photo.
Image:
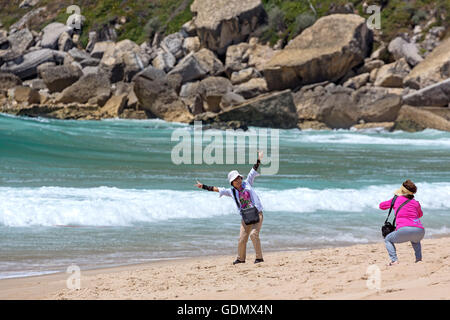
(103, 193)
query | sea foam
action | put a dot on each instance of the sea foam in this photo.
(109, 206)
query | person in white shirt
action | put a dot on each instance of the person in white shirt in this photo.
(243, 189)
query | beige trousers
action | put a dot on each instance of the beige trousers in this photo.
(251, 231)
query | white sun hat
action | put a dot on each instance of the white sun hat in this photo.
(233, 175)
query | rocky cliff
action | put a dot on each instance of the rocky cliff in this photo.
(219, 62)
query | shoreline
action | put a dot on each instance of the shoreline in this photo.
(326, 273)
(199, 257)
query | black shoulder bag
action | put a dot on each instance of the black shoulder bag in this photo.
(249, 215)
(388, 227)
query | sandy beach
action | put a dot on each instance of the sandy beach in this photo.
(331, 273)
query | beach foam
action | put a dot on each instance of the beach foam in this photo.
(106, 206)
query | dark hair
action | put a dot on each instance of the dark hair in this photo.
(408, 184)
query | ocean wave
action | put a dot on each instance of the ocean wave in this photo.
(362, 138)
(106, 206)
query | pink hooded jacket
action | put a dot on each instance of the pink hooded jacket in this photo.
(409, 215)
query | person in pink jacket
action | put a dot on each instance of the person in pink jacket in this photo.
(408, 225)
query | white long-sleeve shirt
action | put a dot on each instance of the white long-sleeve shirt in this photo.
(247, 184)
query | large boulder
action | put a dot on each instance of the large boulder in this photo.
(114, 106)
(392, 74)
(244, 55)
(384, 109)
(377, 104)
(92, 88)
(173, 44)
(433, 69)
(25, 67)
(337, 108)
(123, 60)
(20, 41)
(341, 107)
(275, 110)
(251, 88)
(221, 23)
(157, 93)
(164, 60)
(51, 34)
(78, 55)
(26, 95)
(198, 65)
(416, 119)
(401, 48)
(325, 51)
(100, 48)
(57, 78)
(211, 90)
(437, 94)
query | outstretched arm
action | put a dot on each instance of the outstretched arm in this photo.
(221, 191)
(205, 187)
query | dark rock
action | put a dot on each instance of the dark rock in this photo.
(89, 87)
(57, 78)
(275, 110)
(65, 42)
(159, 95)
(25, 67)
(198, 65)
(211, 90)
(338, 109)
(437, 94)
(79, 55)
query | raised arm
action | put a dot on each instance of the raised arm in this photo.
(387, 204)
(254, 170)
